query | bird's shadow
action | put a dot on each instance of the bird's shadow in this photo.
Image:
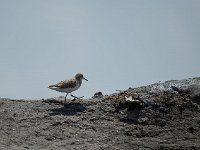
(68, 109)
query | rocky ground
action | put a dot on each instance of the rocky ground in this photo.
(159, 116)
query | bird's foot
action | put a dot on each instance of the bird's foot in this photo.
(75, 97)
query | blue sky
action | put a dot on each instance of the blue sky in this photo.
(116, 44)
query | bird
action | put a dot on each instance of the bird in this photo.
(68, 85)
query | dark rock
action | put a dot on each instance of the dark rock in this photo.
(56, 123)
(143, 120)
(26, 147)
(177, 89)
(194, 91)
(163, 116)
(98, 95)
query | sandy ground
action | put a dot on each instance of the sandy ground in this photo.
(159, 116)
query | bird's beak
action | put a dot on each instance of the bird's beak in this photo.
(85, 79)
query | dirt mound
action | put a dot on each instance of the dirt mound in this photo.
(159, 116)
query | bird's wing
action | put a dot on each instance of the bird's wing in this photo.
(65, 84)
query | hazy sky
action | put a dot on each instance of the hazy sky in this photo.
(116, 44)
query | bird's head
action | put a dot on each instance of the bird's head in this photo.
(80, 76)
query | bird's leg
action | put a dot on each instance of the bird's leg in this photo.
(76, 97)
(66, 97)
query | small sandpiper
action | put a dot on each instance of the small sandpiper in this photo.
(69, 85)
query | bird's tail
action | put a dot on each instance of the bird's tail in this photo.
(51, 86)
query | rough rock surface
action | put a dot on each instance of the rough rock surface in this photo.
(159, 116)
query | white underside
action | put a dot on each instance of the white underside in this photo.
(66, 90)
